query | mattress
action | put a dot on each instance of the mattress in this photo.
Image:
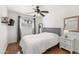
(38, 43)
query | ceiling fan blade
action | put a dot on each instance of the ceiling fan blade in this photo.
(34, 15)
(42, 14)
(44, 11)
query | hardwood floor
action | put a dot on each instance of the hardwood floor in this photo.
(14, 48)
(56, 50)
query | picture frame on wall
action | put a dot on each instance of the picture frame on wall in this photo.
(71, 24)
(4, 19)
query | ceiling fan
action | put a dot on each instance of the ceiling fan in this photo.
(38, 11)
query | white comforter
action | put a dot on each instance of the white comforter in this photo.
(38, 43)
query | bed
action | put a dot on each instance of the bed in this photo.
(39, 43)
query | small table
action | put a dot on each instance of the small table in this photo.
(67, 43)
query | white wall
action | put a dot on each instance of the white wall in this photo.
(12, 33)
(55, 21)
(57, 13)
(3, 30)
(54, 18)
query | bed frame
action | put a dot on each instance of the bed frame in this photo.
(51, 30)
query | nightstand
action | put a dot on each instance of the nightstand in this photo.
(67, 43)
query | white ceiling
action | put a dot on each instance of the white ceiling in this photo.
(20, 8)
(25, 9)
(51, 8)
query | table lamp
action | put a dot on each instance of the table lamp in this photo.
(65, 33)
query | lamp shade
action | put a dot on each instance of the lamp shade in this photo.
(66, 31)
